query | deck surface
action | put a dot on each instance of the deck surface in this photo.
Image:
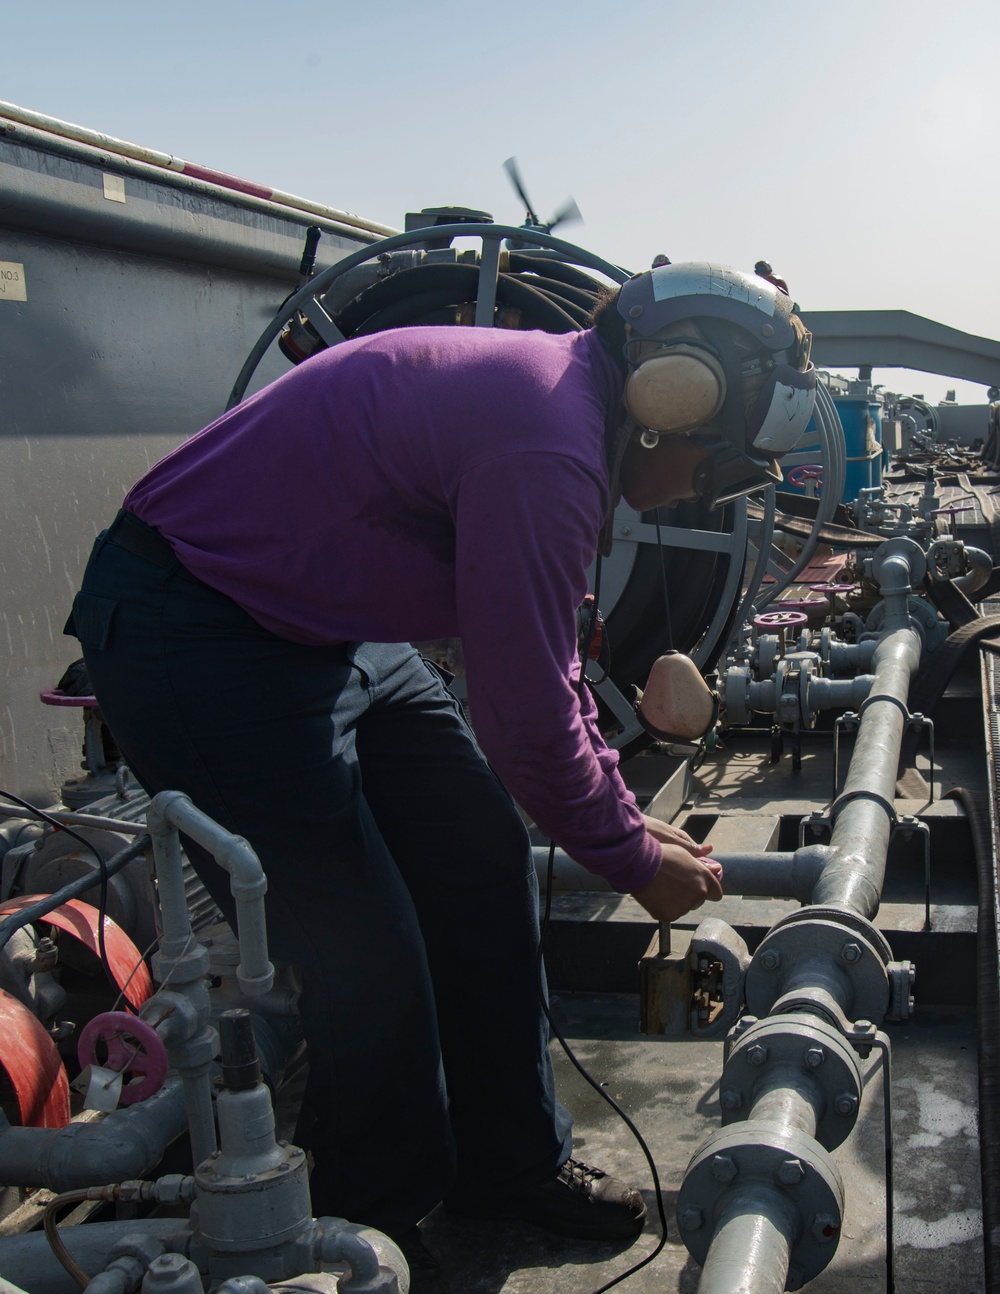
(670, 1088)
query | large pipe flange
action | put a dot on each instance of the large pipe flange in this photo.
(826, 947)
(894, 549)
(783, 1172)
(801, 1053)
(847, 917)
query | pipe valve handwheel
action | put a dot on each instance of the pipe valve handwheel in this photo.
(133, 1049)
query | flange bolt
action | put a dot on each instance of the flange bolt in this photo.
(815, 1057)
(791, 1172)
(723, 1168)
(851, 953)
(846, 1103)
(690, 1219)
(756, 1055)
(825, 1227)
(771, 959)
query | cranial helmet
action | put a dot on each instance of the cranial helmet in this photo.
(712, 345)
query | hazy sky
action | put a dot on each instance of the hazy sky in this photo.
(853, 144)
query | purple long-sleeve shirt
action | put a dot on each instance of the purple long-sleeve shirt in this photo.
(431, 483)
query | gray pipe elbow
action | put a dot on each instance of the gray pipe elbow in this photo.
(980, 570)
(127, 1144)
(156, 811)
(246, 876)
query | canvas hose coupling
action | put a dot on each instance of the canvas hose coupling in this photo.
(676, 706)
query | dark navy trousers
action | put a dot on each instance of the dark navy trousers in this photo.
(399, 879)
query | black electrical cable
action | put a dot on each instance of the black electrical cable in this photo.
(106, 869)
(601, 1092)
(540, 988)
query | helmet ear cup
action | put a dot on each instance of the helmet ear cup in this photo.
(676, 390)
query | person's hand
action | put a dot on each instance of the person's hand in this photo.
(668, 835)
(682, 883)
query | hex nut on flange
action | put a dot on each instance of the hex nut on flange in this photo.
(851, 953)
(791, 1172)
(732, 1099)
(846, 1103)
(824, 1227)
(756, 1055)
(723, 1168)
(690, 1219)
(771, 959)
(815, 1057)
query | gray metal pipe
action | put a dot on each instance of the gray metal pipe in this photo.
(170, 812)
(751, 1246)
(980, 570)
(237, 190)
(789, 1104)
(76, 820)
(126, 1145)
(121, 1276)
(863, 813)
(779, 874)
(30, 1262)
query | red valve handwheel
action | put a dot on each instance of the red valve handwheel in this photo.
(134, 1050)
(801, 604)
(805, 472)
(780, 620)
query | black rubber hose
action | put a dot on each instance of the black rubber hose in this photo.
(417, 308)
(988, 1027)
(460, 283)
(935, 674)
(949, 599)
(520, 263)
(539, 308)
(34, 911)
(563, 294)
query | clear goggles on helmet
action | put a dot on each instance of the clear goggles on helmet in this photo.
(727, 474)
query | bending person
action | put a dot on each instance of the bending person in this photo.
(245, 621)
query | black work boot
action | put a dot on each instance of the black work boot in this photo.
(425, 1274)
(579, 1201)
